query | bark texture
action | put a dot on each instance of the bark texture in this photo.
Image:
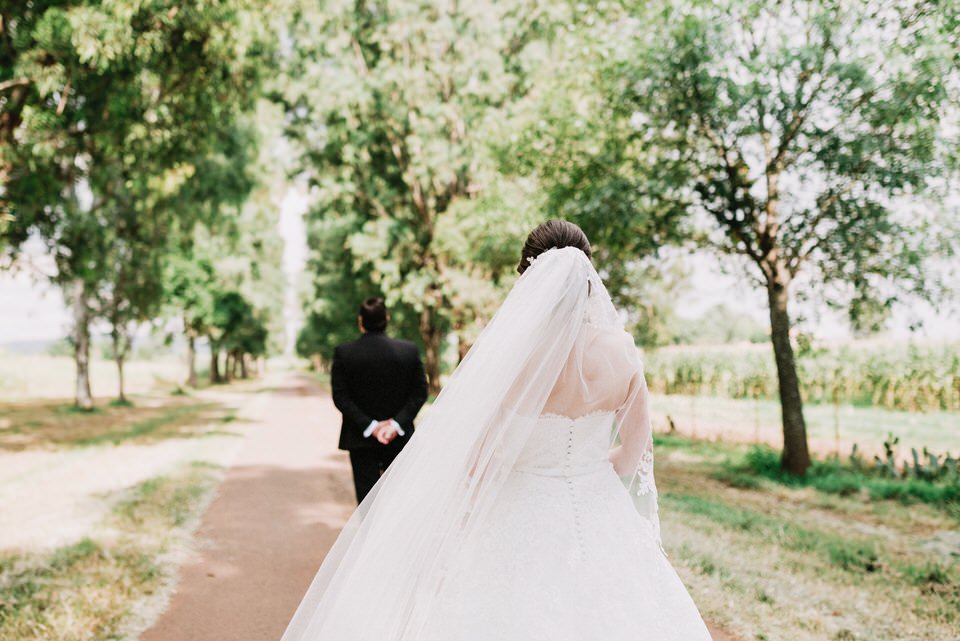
(81, 345)
(796, 455)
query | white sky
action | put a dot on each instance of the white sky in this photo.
(294, 234)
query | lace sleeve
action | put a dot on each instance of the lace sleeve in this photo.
(633, 457)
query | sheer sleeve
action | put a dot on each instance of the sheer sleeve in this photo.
(632, 458)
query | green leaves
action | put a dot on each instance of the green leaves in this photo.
(395, 107)
(122, 127)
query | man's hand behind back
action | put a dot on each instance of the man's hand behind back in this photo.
(386, 431)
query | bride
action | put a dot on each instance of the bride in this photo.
(524, 507)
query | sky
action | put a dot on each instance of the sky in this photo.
(294, 234)
(33, 310)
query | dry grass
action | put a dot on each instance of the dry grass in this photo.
(91, 589)
(51, 424)
(36, 376)
(118, 486)
(780, 564)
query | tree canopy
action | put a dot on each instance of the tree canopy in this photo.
(805, 138)
(121, 129)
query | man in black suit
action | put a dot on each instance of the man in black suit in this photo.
(379, 386)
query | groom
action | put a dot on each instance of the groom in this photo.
(379, 386)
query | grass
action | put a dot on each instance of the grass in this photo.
(830, 429)
(849, 478)
(51, 424)
(791, 562)
(89, 590)
(100, 585)
(36, 376)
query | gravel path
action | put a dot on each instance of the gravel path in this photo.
(279, 509)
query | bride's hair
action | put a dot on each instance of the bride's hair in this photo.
(549, 235)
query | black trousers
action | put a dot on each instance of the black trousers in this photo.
(368, 465)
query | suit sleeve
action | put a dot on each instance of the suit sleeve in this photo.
(418, 392)
(341, 395)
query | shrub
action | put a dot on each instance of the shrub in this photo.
(885, 480)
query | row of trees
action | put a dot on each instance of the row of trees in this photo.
(810, 143)
(128, 147)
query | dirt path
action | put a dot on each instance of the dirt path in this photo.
(278, 510)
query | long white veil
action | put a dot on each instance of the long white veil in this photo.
(379, 580)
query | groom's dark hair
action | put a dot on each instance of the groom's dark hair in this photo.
(552, 234)
(373, 314)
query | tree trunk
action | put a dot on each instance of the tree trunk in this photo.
(243, 365)
(192, 360)
(431, 336)
(214, 364)
(118, 357)
(81, 345)
(228, 367)
(796, 455)
(123, 397)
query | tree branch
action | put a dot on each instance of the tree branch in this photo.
(14, 82)
(823, 205)
(398, 148)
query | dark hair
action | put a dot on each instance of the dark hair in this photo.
(553, 233)
(373, 314)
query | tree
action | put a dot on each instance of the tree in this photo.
(238, 331)
(796, 136)
(331, 315)
(86, 105)
(190, 283)
(133, 290)
(392, 105)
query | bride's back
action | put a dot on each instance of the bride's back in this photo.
(597, 375)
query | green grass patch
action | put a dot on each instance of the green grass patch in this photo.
(749, 420)
(737, 478)
(87, 590)
(750, 542)
(163, 502)
(845, 553)
(833, 476)
(143, 428)
(932, 572)
(706, 449)
(76, 409)
(46, 424)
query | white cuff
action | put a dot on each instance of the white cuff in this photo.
(367, 432)
(397, 427)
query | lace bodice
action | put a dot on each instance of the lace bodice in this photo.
(564, 446)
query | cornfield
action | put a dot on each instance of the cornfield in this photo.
(899, 376)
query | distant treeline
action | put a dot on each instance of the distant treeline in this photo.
(891, 375)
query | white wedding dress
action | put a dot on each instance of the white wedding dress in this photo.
(566, 557)
(524, 508)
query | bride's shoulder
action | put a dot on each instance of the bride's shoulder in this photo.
(616, 338)
(612, 333)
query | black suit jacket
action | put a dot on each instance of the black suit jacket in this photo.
(376, 378)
